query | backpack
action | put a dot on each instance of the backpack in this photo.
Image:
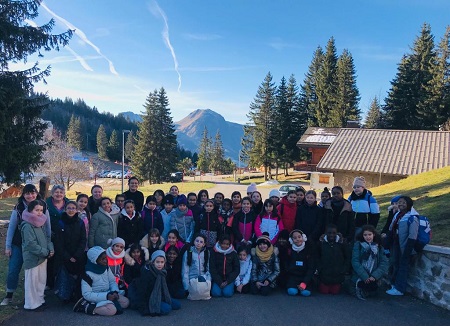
(424, 233)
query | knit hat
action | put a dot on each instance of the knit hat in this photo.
(264, 238)
(182, 200)
(112, 242)
(94, 253)
(274, 193)
(251, 188)
(395, 199)
(360, 182)
(158, 253)
(168, 199)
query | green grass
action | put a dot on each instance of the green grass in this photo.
(6, 206)
(431, 194)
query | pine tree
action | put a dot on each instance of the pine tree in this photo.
(113, 149)
(204, 152)
(129, 146)
(327, 86)
(21, 130)
(374, 116)
(282, 126)
(102, 143)
(74, 136)
(217, 155)
(347, 97)
(257, 137)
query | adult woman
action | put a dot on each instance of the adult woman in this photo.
(94, 200)
(134, 194)
(103, 224)
(56, 204)
(13, 247)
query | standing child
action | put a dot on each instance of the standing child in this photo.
(183, 220)
(242, 281)
(287, 208)
(166, 214)
(130, 226)
(257, 203)
(153, 241)
(243, 224)
(151, 216)
(333, 262)
(101, 295)
(301, 266)
(226, 216)
(224, 268)
(324, 196)
(269, 221)
(120, 201)
(368, 261)
(135, 258)
(83, 213)
(193, 205)
(208, 224)
(36, 248)
(309, 217)
(301, 193)
(338, 211)
(202, 197)
(236, 200)
(195, 270)
(265, 266)
(159, 195)
(364, 205)
(103, 224)
(115, 254)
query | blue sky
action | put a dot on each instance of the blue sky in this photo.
(214, 54)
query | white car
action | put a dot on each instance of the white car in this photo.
(284, 189)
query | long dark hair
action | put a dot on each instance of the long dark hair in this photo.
(370, 228)
(205, 250)
(28, 188)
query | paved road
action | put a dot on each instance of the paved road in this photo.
(276, 309)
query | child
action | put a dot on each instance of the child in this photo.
(338, 211)
(120, 201)
(288, 209)
(173, 268)
(364, 205)
(226, 217)
(309, 217)
(183, 220)
(135, 258)
(115, 254)
(265, 266)
(208, 224)
(195, 270)
(243, 224)
(333, 262)
(151, 217)
(103, 224)
(301, 193)
(101, 295)
(236, 199)
(224, 268)
(257, 203)
(149, 294)
(36, 248)
(368, 261)
(130, 226)
(173, 239)
(202, 197)
(274, 196)
(83, 213)
(166, 214)
(153, 241)
(242, 282)
(193, 205)
(159, 195)
(269, 221)
(284, 249)
(324, 196)
(218, 199)
(301, 265)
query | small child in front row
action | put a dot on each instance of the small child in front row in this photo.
(242, 282)
(153, 241)
(369, 262)
(36, 248)
(101, 294)
(265, 266)
(333, 261)
(135, 257)
(114, 254)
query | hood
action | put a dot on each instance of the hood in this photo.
(220, 250)
(125, 214)
(146, 243)
(93, 254)
(130, 261)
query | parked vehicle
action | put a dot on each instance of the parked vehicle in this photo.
(176, 177)
(284, 189)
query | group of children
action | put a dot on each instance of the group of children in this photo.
(110, 256)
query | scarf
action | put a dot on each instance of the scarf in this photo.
(264, 256)
(218, 249)
(369, 256)
(160, 292)
(110, 253)
(225, 213)
(325, 238)
(36, 221)
(95, 268)
(297, 248)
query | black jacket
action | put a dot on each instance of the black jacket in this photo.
(342, 217)
(301, 265)
(310, 219)
(131, 231)
(224, 267)
(333, 262)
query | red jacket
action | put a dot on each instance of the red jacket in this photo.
(287, 211)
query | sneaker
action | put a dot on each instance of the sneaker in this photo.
(360, 294)
(80, 306)
(394, 291)
(6, 301)
(305, 293)
(90, 307)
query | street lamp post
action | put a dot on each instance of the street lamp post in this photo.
(123, 153)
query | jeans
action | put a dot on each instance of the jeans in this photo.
(14, 266)
(166, 308)
(226, 292)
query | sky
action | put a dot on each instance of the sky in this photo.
(215, 54)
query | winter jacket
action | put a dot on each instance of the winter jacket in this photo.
(365, 208)
(224, 265)
(359, 272)
(341, 217)
(103, 226)
(152, 219)
(145, 242)
(36, 245)
(226, 223)
(93, 205)
(405, 230)
(287, 213)
(196, 210)
(130, 229)
(137, 197)
(301, 265)
(268, 223)
(245, 271)
(71, 243)
(55, 214)
(183, 221)
(310, 219)
(268, 270)
(174, 279)
(333, 261)
(208, 225)
(243, 226)
(197, 267)
(166, 217)
(132, 268)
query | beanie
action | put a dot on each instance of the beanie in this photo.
(158, 253)
(251, 188)
(182, 200)
(112, 242)
(94, 253)
(168, 199)
(264, 238)
(274, 193)
(360, 182)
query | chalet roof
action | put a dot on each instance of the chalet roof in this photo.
(395, 152)
(318, 137)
